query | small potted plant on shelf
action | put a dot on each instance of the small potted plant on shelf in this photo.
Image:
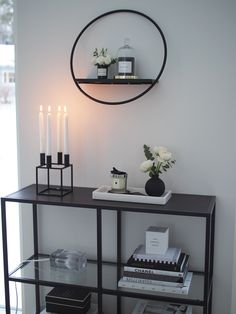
(102, 59)
(157, 160)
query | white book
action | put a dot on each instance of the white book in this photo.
(171, 256)
(158, 288)
(153, 282)
(158, 307)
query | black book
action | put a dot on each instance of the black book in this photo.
(66, 309)
(76, 297)
(161, 275)
(164, 278)
(179, 266)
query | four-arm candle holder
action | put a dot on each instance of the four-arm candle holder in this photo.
(49, 167)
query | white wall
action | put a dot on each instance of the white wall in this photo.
(191, 111)
(233, 303)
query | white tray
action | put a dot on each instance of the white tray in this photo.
(102, 193)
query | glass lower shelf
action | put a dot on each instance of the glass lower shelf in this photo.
(40, 271)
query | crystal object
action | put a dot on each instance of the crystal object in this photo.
(68, 259)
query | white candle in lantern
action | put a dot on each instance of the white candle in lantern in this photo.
(59, 149)
(41, 131)
(66, 134)
(49, 131)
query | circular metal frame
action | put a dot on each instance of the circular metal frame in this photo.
(154, 81)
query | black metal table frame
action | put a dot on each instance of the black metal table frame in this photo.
(206, 303)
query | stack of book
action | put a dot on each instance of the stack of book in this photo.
(157, 307)
(157, 272)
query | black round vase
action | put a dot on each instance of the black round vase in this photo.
(155, 186)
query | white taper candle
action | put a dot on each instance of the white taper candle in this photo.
(66, 133)
(59, 148)
(49, 131)
(41, 130)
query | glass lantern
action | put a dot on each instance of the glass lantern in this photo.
(126, 61)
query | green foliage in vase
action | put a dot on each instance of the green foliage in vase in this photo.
(102, 57)
(158, 159)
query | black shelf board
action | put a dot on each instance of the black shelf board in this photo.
(179, 204)
(114, 81)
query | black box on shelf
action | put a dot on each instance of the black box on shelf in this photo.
(68, 300)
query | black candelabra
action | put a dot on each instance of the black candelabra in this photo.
(49, 167)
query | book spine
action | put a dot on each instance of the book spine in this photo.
(147, 259)
(161, 266)
(153, 271)
(158, 258)
(154, 276)
(153, 282)
(149, 287)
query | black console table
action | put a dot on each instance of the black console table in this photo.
(81, 197)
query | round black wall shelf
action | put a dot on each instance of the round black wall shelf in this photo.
(150, 83)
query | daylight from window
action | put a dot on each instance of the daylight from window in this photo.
(8, 144)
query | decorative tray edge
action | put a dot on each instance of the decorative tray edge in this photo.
(102, 193)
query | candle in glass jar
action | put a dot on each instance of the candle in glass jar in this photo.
(49, 131)
(66, 134)
(59, 149)
(41, 130)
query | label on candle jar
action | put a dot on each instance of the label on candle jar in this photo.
(126, 65)
(102, 72)
(118, 183)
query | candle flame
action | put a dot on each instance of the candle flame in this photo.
(40, 108)
(49, 108)
(65, 109)
(59, 108)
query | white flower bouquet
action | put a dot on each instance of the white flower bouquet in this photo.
(158, 159)
(102, 57)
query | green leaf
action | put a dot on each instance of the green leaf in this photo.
(148, 154)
